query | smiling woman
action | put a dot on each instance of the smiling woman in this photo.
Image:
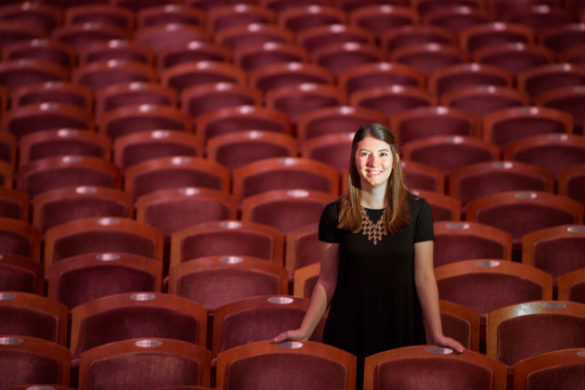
(377, 260)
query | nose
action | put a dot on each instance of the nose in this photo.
(372, 159)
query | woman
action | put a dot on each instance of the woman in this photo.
(377, 260)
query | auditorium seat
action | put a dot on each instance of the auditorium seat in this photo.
(229, 15)
(79, 279)
(164, 36)
(333, 149)
(86, 236)
(32, 360)
(185, 75)
(423, 122)
(175, 172)
(475, 181)
(304, 280)
(571, 286)
(568, 99)
(374, 74)
(123, 50)
(538, 18)
(561, 370)
(19, 273)
(23, 72)
(131, 119)
(240, 148)
(484, 99)
(456, 18)
(323, 36)
(500, 8)
(281, 74)
(50, 173)
(302, 250)
(460, 323)
(14, 204)
(449, 153)
(459, 241)
(284, 174)
(58, 206)
(426, 6)
(107, 14)
(172, 209)
(537, 80)
(301, 17)
(279, 6)
(217, 280)
(28, 119)
(237, 37)
(557, 250)
(265, 365)
(345, 56)
(420, 176)
(254, 57)
(11, 32)
(504, 126)
(443, 207)
(335, 120)
(165, 14)
(62, 142)
(199, 99)
(144, 363)
(428, 57)
(84, 34)
(256, 319)
(6, 174)
(379, 18)
(193, 51)
(350, 5)
(433, 367)
(227, 238)
(553, 152)
(514, 57)
(572, 182)
(32, 315)
(19, 238)
(458, 76)
(573, 55)
(563, 36)
(53, 92)
(413, 35)
(138, 5)
(100, 74)
(481, 36)
(392, 99)
(285, 210)
(41, 49)
(137, 147)
(239, 118)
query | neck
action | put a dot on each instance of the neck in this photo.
(373, 198)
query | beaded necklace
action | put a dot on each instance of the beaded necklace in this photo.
(374, 231)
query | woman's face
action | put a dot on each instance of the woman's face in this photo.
(373, 161)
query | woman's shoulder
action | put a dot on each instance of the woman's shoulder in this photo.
(415, 202)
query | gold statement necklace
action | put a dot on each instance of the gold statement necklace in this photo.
(374, 231)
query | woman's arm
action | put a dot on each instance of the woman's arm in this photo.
(322, 294)
(428, 295)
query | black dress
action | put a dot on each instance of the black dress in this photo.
(375, 306)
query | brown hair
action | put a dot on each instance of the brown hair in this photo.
(396, 213)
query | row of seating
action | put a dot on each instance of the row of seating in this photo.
(102, 327)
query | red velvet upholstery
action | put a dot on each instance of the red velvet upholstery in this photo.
(304, 280)
(571, 286)
(561, 370)
(19, 238)
(461, 323)
(514, 57)
(19, 273)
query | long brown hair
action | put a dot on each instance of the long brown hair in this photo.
(396, 213)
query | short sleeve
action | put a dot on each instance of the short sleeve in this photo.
(424, 222)
(328, 230)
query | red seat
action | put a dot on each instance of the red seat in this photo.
(302, 250)
(107, 14)
(32, 315)
(439, 368)
(239, 118)
(65, 171)
(172, 209)
(568, 99)
(45, 50)
(264, 365)
(46, 116)
(33, 360)
(8, 147)
(284, 173)
(369, 75)
(562, 36)
(544, 78)
(97, 75)
(63, 142)
(84, 34)
(456, 18)
(458, 76)
(199, 99)
(449, 153)
(323, 36)
(460, 323)
(556, 250)
(19, 273)
(215, 281)
(259, 318)
(131, 119)
(572, 182)
(164, 36)
(19, 238)
(423, 122)
(423, 177)
(79, 279)
(144, 363)
(333, 149)
(295, 100)
(237, 37)
(553, 152)
(279, 6)
(183, 76)
(443, 207)
(193, 51)
(345, 56)
(169, 14)
(380, 18)
(504, 126)
(484, 35)
(539, 18)
(474, 181)
(20, 73)
(91, 235)
(277, 75)
(483, 100)
(138, 5)
(500, 8)
(350, 5)
(304, 280)
(137, 147)
(227, 238)
(6, 174)
(58, 206)
(522, 212)
(53, 92)
(514, 57)
(413, 35)
(15, 32)
(303, 17)
(43, 16)
(226, 16)
(428, 57)
(571, 286)
(254, 57)
(458, 241)
(122, 50)
(573, 55)
(335, 120)
(175, 172)
(392, 99)
(562, 370)
(285, 210)
(425, 7)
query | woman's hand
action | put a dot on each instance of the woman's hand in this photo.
(448, 342)
(292, 335)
